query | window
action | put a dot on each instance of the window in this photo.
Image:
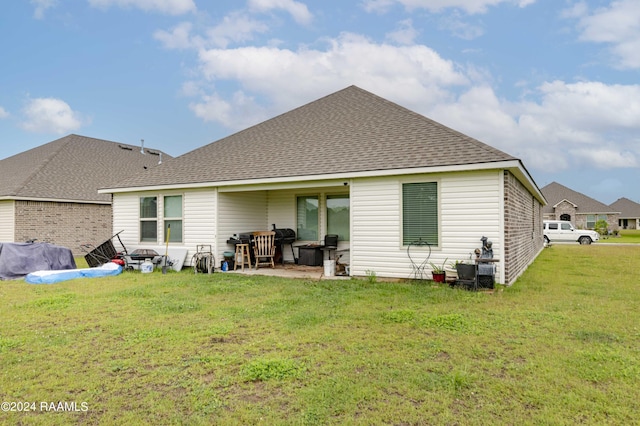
(566, 217)
(592, 219)
(307, 213)
(173, 217)
(420, 213)
(338, 216)
(566, 226)
(149, 219)
(553, 226)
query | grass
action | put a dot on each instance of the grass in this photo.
(561, 346)
(627, 236)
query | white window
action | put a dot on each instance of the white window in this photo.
(420, 218)
(173, 218)
(149, 219)
(338, 216)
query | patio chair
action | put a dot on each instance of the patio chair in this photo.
(264, 247)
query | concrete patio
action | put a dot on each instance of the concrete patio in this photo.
(288, 270)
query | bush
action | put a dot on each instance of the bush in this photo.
(602, 227)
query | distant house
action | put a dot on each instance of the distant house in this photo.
(629, 217)
(397, 188)
(50, 193)
(582, 211)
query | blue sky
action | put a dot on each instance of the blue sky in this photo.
(553, 82)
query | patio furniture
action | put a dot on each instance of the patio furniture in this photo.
(264, 247)
(310, 255)
(242, 253)
(330, 244)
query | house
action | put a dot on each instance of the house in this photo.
(582, 211)
(385, 179)
(50, 193)
(629, 217)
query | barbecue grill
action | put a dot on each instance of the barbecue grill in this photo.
(284, 236)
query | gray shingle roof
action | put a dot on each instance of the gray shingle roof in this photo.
(627, 208)
(351, 130)
(72, 168)
(555, 193)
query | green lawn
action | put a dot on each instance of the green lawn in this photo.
(626, 236)
(559, 347)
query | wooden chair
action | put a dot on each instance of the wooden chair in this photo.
(264, 247)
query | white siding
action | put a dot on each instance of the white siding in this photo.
(282, 213)
(199, 221)
(470, 207)
(240, 212)
(7, 221)
(126, 209)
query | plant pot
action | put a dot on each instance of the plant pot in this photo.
(439, 277)
(451, 274)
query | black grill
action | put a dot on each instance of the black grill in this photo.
(284, 236)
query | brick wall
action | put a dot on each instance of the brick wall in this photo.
(64, 224)
(523, 227)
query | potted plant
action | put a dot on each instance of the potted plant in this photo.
(438, 273)
(452, 270)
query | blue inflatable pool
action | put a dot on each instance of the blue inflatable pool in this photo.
(52, 277)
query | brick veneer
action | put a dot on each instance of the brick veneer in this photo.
(523, 227)
(64, 224)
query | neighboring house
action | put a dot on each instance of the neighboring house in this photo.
(50, 193)
(353, 164)
(629, 217)
(582, 211)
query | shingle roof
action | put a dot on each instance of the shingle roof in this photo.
(627, 208)
(72, 168)
(351, 130)
(555, 193)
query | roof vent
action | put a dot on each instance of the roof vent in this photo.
(128, 148)
(141, 146)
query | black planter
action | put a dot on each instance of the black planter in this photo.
(466, 271)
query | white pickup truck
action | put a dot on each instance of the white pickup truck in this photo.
(562, 230)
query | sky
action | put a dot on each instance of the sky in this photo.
(554, 83)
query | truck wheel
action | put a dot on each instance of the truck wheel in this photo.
(584, 240)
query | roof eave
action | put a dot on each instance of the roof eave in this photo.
(515, 166)
(53, 200)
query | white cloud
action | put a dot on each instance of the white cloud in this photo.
(558, 125)
(617, 25)
(469, 6)
(405, 34)
(587, 124)
(42, 6)
(178, 38)
(50, 115)
(236, 27)
(3, 113)
(169, 7)
(416, 74)
(239, 112)
(298, 11)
